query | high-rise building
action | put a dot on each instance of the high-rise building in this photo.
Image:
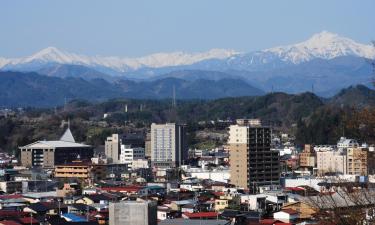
(168, 147)
(148, 145)
(307, 158)
(252, 162)
(113, 149)
(132, 212)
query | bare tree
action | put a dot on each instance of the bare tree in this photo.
(344, 203)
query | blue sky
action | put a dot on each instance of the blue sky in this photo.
(136, 28)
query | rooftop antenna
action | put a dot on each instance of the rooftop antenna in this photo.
(69, 123)
(174, 97)
(272, 90)
(312, 88)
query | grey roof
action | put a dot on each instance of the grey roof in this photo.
(67, 136)
(66, 141)
(53, 144)
(341, 199)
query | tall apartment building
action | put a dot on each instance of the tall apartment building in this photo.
(168, 147)
(252, 162)
(148, 145)
(113, 149)
(307, 158)
(357, 161)
(331, 161)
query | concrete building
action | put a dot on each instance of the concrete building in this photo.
(307, 158)
(345, 143)
(357, 161)
(113, 148)
(47, 154)
(148, 145)
(252, 162)
(131, 212)
(81, 170)
(168, 146)
(331, 162)
(129, 154)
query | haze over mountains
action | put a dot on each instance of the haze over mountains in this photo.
(325, 63)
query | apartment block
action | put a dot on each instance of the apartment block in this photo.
(113, 149)
(252, 162)
(331, 162)
(357, 161)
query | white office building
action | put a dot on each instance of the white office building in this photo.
(168, 148)
(128, 154)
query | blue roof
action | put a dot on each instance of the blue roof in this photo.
(73, 217)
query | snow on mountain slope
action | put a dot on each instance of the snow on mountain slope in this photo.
(54, 55)
(323, 45)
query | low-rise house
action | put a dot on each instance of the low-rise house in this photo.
(286, 215)
(220, 204)
(201, 215)
(305, 210)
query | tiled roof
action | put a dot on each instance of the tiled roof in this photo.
(290, 211)
(201, 215)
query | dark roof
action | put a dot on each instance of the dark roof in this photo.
(38, 207)
(56, 220)
(82, 207)
(230, 213)
(99, 197)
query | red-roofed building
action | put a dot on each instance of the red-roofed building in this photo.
(8, 214)
(125, 189)
(9, 222)
(28, 220)
(200, 215)
(14, 196)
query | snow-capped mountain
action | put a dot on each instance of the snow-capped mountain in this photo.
(52, 55)
(324, 45)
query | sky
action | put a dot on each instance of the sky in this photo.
(139, 27)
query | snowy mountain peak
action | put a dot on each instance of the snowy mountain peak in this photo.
(325, 45)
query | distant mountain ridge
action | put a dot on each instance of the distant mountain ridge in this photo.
(31, 89)
(324, 45)
(324, 64)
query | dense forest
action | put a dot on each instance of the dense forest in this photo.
(311, 119)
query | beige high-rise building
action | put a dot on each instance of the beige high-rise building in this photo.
(307, 158)
(252, 162)
(238, 155)
(113, 149)
(330, 161)
(148, 145)
(357, 161)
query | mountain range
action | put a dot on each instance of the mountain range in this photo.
(323, 64)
